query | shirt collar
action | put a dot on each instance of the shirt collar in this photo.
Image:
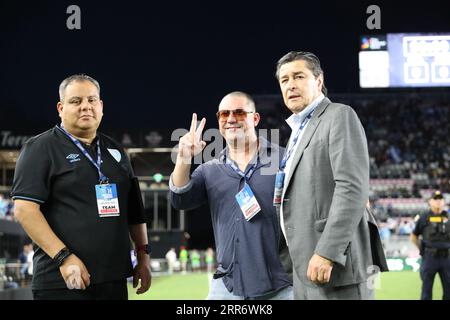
(264, 145)
(60, 126)
(296, 119)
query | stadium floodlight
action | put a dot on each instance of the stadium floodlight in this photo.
(158, 177)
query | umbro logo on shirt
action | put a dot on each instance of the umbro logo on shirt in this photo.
(73, 157)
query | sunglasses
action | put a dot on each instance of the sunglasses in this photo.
(239, 114)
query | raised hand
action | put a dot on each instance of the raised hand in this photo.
(191, 144)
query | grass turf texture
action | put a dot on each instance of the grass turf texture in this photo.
(398, 285)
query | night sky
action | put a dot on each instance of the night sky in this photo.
(158, 63)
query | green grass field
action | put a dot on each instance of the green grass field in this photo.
(404, 285)
(190, 286)
(398, 285)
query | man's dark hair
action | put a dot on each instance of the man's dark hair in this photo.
(312, 62)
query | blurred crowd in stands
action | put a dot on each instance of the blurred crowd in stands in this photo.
(406, 136)
(409, 138)
(6, 208)
(409, 147)
(16, 272)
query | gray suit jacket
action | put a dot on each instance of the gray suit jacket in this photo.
(326, 193)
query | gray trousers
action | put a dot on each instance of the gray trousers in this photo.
(359, 291)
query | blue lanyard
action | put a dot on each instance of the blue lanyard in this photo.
(239, 172)
(103, 178)
(292, 144)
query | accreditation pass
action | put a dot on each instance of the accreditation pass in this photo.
(107, 200)
(247, 202)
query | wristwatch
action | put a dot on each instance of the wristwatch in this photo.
(143, 247)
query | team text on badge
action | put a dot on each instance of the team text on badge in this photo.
(107, 200)
(247, 202)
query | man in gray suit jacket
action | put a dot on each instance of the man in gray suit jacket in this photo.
(323, 187)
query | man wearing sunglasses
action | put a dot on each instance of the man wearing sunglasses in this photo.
(239, 189)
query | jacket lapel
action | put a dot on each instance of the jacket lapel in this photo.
(307, 135)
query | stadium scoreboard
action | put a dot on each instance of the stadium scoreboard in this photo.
(404, 60)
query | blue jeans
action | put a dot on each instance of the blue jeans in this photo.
(218, 291)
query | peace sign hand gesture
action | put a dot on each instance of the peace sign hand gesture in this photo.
(191, 144)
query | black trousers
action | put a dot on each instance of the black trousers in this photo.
(115, 290)
(430, 266)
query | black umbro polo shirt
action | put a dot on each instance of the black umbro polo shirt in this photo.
(54, 173)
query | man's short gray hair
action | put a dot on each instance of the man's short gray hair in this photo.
(77, 78)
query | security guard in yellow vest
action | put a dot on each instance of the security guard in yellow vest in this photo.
(434, 230)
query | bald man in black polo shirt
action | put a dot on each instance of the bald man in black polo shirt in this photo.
(76, 196)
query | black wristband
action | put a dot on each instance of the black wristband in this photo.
(61, 256)
(144, 248)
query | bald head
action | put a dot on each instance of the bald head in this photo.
(237, 96)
